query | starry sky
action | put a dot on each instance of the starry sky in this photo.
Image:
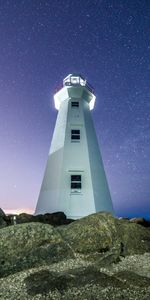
(108, 42)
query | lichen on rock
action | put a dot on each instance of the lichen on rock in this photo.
(96, 257)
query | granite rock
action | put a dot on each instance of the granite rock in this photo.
(32, 244)
(96, 257)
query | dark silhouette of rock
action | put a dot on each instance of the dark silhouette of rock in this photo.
(3, 223)
(2, 214)
(140, 221)
(24, 218)
(55, 219)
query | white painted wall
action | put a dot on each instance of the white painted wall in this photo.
(68, 158)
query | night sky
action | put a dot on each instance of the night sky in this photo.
(107, 41)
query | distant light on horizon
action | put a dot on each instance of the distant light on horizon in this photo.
(18, 211)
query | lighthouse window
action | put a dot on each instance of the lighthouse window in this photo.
(75, 104)
(75, 134)
(75, 181)
(75, 80)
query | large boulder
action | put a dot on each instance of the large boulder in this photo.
(101, 235)
(28, 245)
(94, 233)
(135, 239)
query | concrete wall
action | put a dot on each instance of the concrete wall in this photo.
(76, 161)
(68, 158)
(48, 200)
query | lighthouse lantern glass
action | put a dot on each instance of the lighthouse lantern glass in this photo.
(74, 80)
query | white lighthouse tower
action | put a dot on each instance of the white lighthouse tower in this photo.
(74, 181)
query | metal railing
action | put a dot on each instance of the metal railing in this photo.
(68, 82)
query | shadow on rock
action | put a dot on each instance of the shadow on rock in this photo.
(45, 281)
(133, 278)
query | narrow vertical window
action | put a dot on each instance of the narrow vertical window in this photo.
(75, 135)
(76, 182)
(74, 104)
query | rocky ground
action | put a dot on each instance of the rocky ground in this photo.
(78, 279)
(97, 257)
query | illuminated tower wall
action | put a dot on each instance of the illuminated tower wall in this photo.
(74, 181)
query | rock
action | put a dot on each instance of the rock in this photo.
(2, 214)
(133, 279)
(102, 235)
(28, 245)
(25, 218)
(3, 223)
(75, 281)
(94, 233)
(134, 239)
(87, 259)
(77, 278)
(137, 220)
(55, 219)
(98, 238)
(139, 264)
(10, 219)
(140, 221)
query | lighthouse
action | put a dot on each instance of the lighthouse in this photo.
(74, 180)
